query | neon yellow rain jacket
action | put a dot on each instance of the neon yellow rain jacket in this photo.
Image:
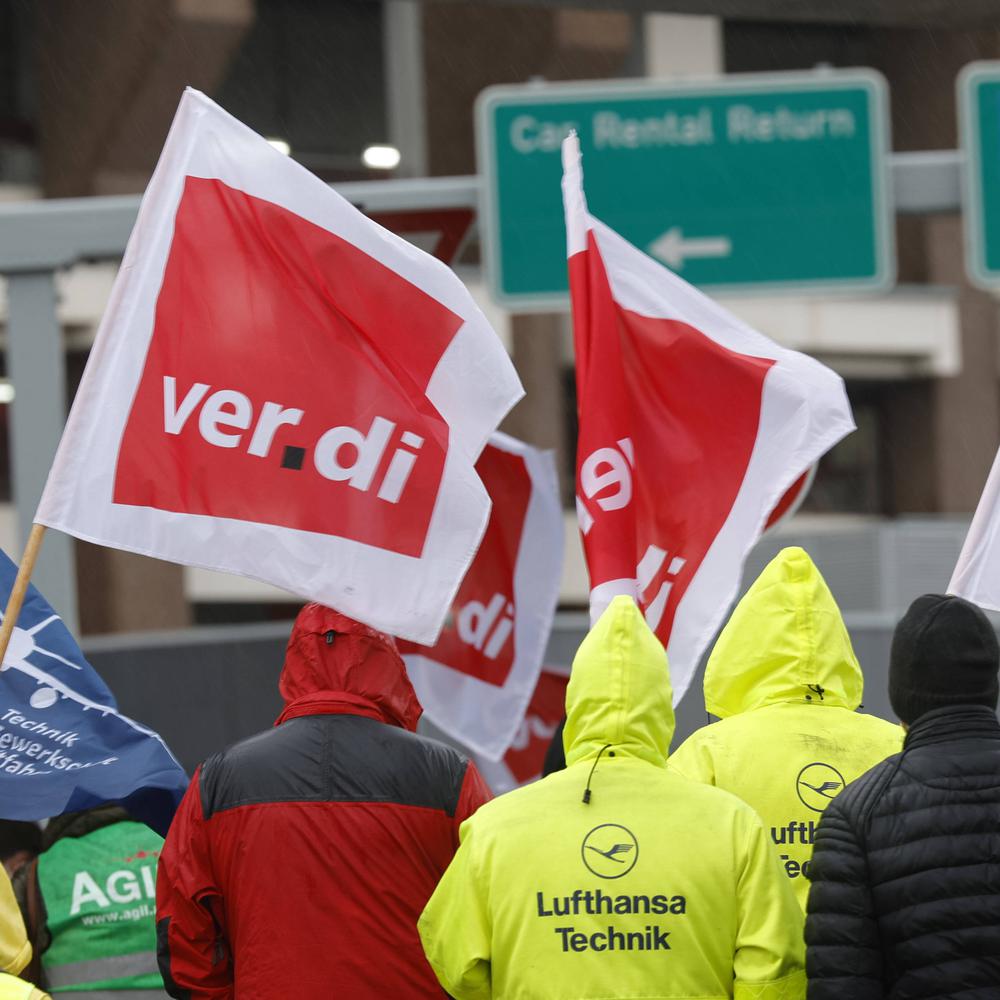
(785, 683)
(659, 887)
(15, 951)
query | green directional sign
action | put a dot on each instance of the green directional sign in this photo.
(979, 124)
(764, 182)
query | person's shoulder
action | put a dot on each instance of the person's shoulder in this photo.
(701, 742)
(878, 727)
(711, 799)
(436, 754)
(530, 804)
(733, 729)
(258, 746)
(858, 798)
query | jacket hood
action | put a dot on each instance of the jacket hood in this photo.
(785, 642)
(619, 690)
(334, 663)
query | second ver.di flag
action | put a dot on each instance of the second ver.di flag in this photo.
(281, 388)
(693, 427)
(477, 680)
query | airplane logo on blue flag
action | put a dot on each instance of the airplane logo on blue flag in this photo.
(64, 745)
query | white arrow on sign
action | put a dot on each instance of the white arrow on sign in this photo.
(673, 249)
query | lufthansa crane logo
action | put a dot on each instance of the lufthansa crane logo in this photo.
(610, 850)
(818, 785)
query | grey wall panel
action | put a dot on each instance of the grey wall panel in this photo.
(203, 689)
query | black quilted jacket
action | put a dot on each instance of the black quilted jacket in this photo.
(905, 900)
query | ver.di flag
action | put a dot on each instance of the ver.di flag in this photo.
(693, 427)
(64, 745)
(282, 389)
(476, 682)
(977, 572)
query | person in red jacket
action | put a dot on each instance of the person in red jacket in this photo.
(301, 858)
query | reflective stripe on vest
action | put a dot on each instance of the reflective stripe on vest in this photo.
(110, 995)
(12, 988)
(114, 968)
(100, 897)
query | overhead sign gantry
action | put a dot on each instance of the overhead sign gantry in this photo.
(760, 181)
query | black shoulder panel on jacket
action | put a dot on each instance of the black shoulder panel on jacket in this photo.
(334, 758)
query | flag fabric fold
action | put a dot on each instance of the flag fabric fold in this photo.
(476, 681)
(64, 745)
(282, 389)
(693, 427)
(524, 760)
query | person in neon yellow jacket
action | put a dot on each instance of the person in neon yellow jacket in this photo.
(615, 877)
(15, 949)
(785, 683)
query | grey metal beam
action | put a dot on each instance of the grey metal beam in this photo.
(412, 194)
(38, 235)
(927, 181)
(41, 235)
(37, 368)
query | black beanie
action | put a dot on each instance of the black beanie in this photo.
(944, 652)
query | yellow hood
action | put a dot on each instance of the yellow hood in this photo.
(619, 691)
(785, 642)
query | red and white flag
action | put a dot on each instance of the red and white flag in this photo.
(977, 573)
(693, 427)
(475, 683)
(525, 758)
(282, 389)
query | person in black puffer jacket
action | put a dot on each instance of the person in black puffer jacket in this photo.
(905, 900)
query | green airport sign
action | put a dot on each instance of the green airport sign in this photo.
(763, 182)
(979, 127)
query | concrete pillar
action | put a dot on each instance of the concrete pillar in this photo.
(36, 358)
(682, 45)
(122, 592)
(966, 407)
(402, 29)
(942, 433)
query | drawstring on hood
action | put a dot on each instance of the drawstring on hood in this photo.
(785, 642)
(618, 699)
(593, 767)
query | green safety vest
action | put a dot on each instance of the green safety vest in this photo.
(100, 894)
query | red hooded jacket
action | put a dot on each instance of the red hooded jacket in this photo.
(301, 858)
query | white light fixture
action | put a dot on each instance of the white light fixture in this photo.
(6, 392)
(381, 157)
(280, 145)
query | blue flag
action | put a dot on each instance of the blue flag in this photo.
(64, 745)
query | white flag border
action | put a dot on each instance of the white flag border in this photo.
(406, 605)
(535, 605)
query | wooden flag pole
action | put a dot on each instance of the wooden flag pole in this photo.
(20, 588)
